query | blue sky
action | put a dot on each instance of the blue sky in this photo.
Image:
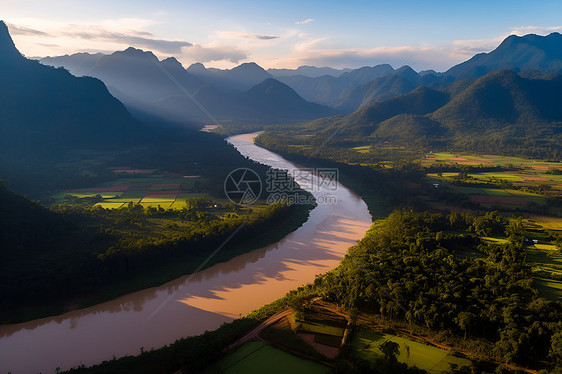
(424, 34)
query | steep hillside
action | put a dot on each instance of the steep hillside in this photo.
(45, 110)
(518, 53)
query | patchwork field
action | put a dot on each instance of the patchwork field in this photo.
(365, 344)
(145, 187)
(489, 160)
(514, 185)
(258, 357)
(522, 174)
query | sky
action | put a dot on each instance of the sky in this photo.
(424, 34)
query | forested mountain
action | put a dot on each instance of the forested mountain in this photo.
(499, 110)
(399, 82)
(421, 101)
(503, 98)
(529, 52)
(365, 120)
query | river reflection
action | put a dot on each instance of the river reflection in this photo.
(191, 304)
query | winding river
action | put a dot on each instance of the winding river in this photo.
(192, 304)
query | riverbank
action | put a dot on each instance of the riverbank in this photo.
(162, 273)
(382, 190)
(190, 305)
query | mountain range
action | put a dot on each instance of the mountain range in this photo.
(501, 111)
(381, 102)
(164, 90)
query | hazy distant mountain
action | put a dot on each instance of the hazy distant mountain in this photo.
(78, 64)
(141, 75)
(280, 101)
(329, 90)
(268, 102)
(198, 69)
(240, 78)
(163, 90)
(533, 52)
(308, 71)
(244, 76)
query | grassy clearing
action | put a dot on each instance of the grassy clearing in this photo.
(362, 149)
(549, 288)
(258, 357)
(499, 175)
(495, 240)
(548, 223)
(365, 344)
(545, 261)
(482, 191)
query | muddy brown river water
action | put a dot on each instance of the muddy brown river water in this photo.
(192, 304)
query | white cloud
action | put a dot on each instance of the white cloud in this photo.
(107, 35)
(468, 48)
(201, 53)
(419, 58)
(133, 38)
(229, 35)
(309, 51)
(24, 30)
(539, 30)
(288, 48)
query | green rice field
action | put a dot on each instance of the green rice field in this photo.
(257, 358)
(145, 187)
(365, 344)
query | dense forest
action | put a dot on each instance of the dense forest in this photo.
(72, 250)
(418, 267)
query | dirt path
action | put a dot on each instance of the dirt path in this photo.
(254, 333)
